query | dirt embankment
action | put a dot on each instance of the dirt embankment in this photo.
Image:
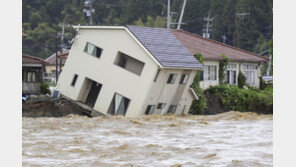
(51, 108)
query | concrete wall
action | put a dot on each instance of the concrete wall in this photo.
(171, 94)
(239, 65)
(113, 78)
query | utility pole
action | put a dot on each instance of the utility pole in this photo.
(62, 43)
(224, 37)
(57, 75)
(169, 13)
(181, 16)
(208, 19)
(238, 17)
(89, 11)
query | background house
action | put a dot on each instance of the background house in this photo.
(50, 67)
(239, 60)
(32, 74)
(129, 71)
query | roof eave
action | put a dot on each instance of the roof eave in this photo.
(185, 68)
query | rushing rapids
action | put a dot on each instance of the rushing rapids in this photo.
(228, 139)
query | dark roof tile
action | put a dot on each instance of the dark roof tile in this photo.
(165, 47)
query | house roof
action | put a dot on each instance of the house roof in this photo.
(165, 47)
(26, 59)
(52, 59)
(211, 50)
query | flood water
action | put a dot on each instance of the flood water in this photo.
(230, 139)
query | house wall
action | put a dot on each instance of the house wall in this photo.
(239, 65)
(103, 70)
(51, 67)
(171, 94)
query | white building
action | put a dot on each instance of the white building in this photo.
(239, 60)
(129, 71)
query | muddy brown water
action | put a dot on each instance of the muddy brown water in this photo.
(230, 139)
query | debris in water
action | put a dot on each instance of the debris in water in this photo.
(210, 156)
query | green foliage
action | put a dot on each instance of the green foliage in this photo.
(44, 89)
(241, 80)
(198, 106)
(158, 21)
(253, 29)
(234, 98)
(271, 52)
(222, 68)
(261, 44)
(199, 57)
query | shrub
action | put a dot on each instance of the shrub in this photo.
(44, 89)
(198, 106)
(234, 98)
(222, 68)
(241, 80)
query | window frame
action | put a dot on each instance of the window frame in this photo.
(160, 105)
(97, 56)
(172, 109)
(184, 79)
(128, 59)
(252, 79)
(74, 80)
(209, 71)
(151, 109)
(171, 80)
(156, 76)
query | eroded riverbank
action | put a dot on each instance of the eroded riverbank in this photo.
(228, 139)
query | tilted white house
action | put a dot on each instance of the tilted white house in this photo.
(129, 71)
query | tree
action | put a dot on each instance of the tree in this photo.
(241, 80)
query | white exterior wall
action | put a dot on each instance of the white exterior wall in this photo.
(239, 65)
(103, 70)
(161, 92)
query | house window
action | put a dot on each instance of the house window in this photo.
(156, 75)
(131, 64)
(172, 109)
(160, 105)
(250, 77)
(249, 67)
(93, 50)
(172, 78)
(32, 76)
(53, 72)
(150, 109)
(74, 80)
(118, 105)
(201, 75)
(210, 73)
(184, 79)
(231, 66)
(231, 77)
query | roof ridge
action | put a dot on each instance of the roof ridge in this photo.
(147, 27)
(33, 57)
(219, 43)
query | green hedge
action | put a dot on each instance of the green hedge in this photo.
(237, 99)
(44, 89)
